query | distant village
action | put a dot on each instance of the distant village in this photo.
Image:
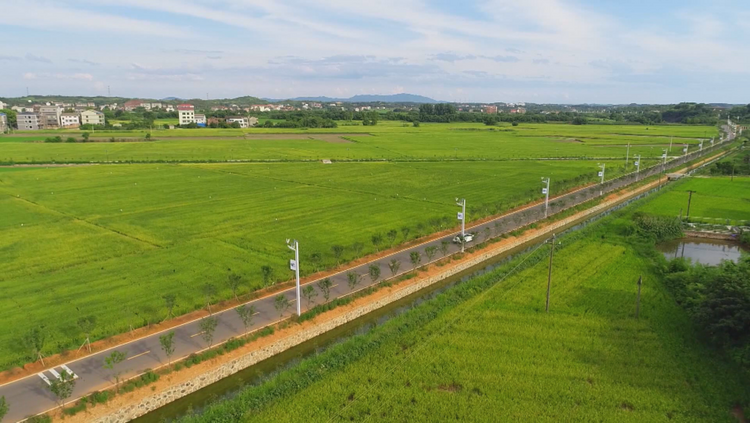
(88, 115)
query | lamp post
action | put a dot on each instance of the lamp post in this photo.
(700, 146)
(545, 191)
(294, 265)
(685, 150)
(602, 166)
(462, 217)
(637, 166)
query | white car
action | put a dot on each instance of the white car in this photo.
(467, 238)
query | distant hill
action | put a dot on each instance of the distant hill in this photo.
(170, 99)
(366, 98)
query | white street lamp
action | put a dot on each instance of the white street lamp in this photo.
(294, 265)
(664, 160)
(545, 191)
(602, 166)
(462, 217)
(670, 143)
(700, 146)
(685, 149)
(637, 166)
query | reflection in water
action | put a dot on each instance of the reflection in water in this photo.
(701, 250)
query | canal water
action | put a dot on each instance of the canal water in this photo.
(267, 369)
(710, 252)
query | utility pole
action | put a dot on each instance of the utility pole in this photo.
(601, 175)
(549, 272)
(627, 156)
(545, 191)
(638, 298)
(670, 143)
(690, 198)
(294, 265)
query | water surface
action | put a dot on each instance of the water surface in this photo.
(710, 252)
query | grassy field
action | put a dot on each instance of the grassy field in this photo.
(715, 199)
(387, 140)
(111, 240)
(487, 351)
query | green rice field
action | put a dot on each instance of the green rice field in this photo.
(486, 350)
(386, 141)
(110, 240)
(715, 200)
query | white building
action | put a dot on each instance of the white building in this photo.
(3, 123)
(186, 113)
(27, 121)
(243, 121)
(3, 105)
(200, 119)
(92, 117)
(170, 108)
(69, 120)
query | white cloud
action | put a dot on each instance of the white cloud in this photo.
(46, 15)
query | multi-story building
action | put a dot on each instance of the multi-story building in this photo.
(49, 117)
(490, 109)
(186, 114)
(92, 117)
(200, 120)
(132, 105)
(3, 105)
(243, 121)
(27, 121)
(69, 120)
(3, 123)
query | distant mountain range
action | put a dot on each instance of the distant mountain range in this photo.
(365, 98)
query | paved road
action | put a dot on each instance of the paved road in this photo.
(30, 396)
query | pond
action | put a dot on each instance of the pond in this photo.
(702, 250)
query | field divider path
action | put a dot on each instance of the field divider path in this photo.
(84, 221)
(27, 396)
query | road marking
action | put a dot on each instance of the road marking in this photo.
(193, 336)
(67, 369)
(138, 355)
(44, 378)
(54, 373)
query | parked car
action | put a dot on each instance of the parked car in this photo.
(468, 237)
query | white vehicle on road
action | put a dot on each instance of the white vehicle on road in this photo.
(468, 237)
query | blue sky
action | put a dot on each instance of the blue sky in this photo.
(556, 51)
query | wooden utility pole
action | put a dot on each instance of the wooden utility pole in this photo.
(690, 198)
(549, 273)
(638, 298)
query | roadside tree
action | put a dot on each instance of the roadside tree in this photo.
(167, 345)
(353, 279)
(63, 387)
(374, 271)
(233, 281)
(394, 265)
(444, 245)
(209, 291)
(267, 272)
(281, 303)
(246, 314)
(87, 324)
(325, 288)
(309, 293)
(430, 252)
(415, 258)
(111, 363)
(170, 301)
(208, 327)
